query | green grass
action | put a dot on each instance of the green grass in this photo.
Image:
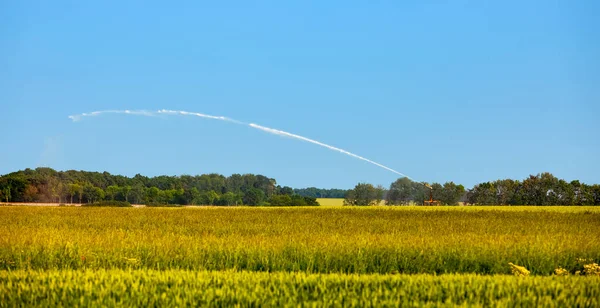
(382, 240)
(175, 288)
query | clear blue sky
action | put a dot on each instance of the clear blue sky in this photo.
(466, 91)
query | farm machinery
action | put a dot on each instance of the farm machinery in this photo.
(431, 201)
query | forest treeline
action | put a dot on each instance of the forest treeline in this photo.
(48, 185)
(314, 192)
(540, 189)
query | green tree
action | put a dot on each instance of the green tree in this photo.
(208, 197)
(230, 199)
(191, 196)
(401, 192)
(125, 190)
(80, 193)
(286, 190)
(234, 183)
(507, 192)
(73, 190)
(281, 200)
(595, 189)
(451, 193)
(166, 196)
(420, 192)
(56, 188)
(565, 193)
(98, 194)
(297, 200)
(212, 197)
(364, 194)
(30, 194)
(112, 191)
(6, 192)
(254, 196)
(483, 194)
(93, 193)
(310, 201)
(153, 195)
(138, 193)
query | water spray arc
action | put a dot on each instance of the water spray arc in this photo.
(273, 131)
(286, 134)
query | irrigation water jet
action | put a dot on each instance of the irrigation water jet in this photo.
(79, 117)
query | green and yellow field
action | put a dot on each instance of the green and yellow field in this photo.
(176, 288)
(366, 256)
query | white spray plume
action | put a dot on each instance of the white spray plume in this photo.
(186, 113)
(147, 113)
(79, 117)
(286, 134)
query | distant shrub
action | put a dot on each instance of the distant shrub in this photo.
(295, 200)
(109, 204)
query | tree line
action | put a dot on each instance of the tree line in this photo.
(314, 192)
(48, 185)
(540, 189)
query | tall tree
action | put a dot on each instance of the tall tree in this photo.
(80, 192)
(30, 194)
(112, 191)
(595, 189)
(73, 190)
(153, 195)
(6, 192)
(191, 196)
(93, 193)
(506, 191)
(55, 188)
(364, 194)
(89, 192)
(230, 198)
(286, 190)
(451, 193)
(138, 193)
(125, 190)
(254, 196)
(401, 192)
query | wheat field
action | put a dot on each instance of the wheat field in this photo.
(278, 248)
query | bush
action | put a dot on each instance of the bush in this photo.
(295, 200)
(109, 204)
(280, 200)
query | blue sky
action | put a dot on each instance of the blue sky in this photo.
(466, 91)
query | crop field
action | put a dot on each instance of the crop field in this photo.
(330, 201)
(335, 256)
(172, 288)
